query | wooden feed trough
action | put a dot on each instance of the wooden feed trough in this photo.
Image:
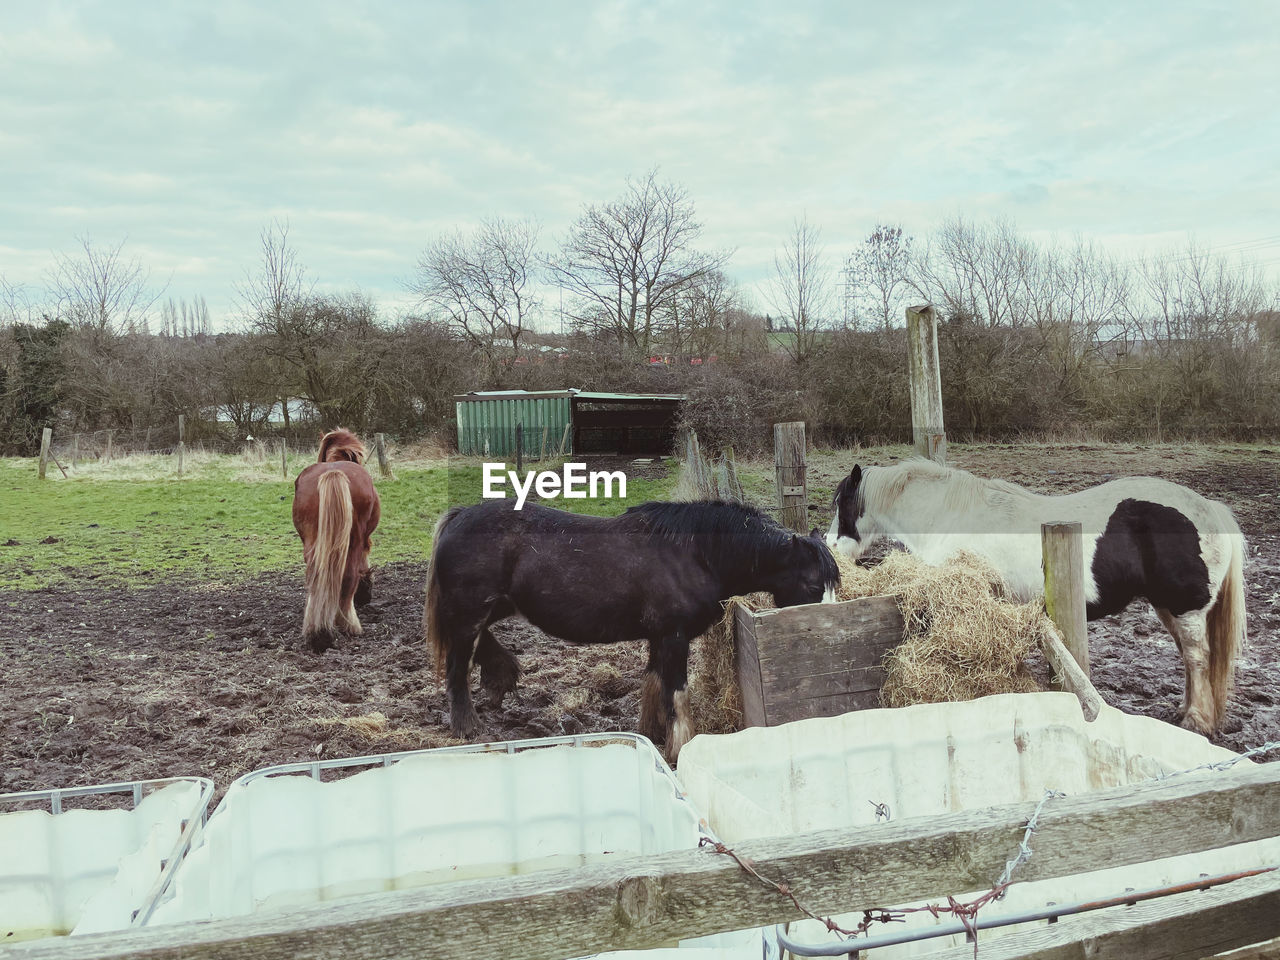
(816, 660)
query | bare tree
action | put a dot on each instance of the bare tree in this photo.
(15, 304)
(626, 262)
(977, 272)
(700, 317)
(101, 291)
(481, 284)
(266, 296)
(800, 289)
(875, 272)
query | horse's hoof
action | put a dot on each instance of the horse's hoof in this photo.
(320, 642)
(1194, 723)
(464, 725)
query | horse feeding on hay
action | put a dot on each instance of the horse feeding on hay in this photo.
(1143, 537)
(658, 572)
(335, 510)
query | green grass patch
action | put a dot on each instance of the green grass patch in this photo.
(135, 521)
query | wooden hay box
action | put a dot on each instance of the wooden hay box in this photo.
(816, 660)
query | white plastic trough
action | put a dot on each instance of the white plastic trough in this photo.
(286, 836)
(71, 871)
(941, 758)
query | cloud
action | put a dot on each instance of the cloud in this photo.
(372, 128)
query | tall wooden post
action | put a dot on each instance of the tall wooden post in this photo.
(106, 457)
(520, 447)
(284, 459)
(927, 432)
(75, 450)
(1064, 586)
(46, 436)
(380, 445)
(789, 474)
(182, 429)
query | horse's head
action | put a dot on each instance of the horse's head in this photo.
(341, 444)
(810, 574)
(851, 531)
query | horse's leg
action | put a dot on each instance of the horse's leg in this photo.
(675, 695)
(1167, 619)
(457, 670)
(364, 586)
(499, 669)
(653, 715)
(1190, 632)
(347, 618)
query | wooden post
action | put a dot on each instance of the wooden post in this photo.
(284, 459)
(45, 437)
(542, 450)
(927, 431)
(727, 479)
(380, 445)
(789, 474)
(520, 447)
(1063, 562)
(182, 424)
(75, 450)
(106, 457)
(700, 478)
(564, 440)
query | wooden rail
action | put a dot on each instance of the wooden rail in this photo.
(639, 902)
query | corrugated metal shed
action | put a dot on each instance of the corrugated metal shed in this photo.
(581, 421)
(487, 421)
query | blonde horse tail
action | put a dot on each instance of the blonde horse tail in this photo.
(1227, 626)
(431, 631)
(328, 564)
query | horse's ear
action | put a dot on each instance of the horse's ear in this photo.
(814, 532)
(855, 475)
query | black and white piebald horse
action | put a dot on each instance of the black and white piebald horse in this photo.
(659, 572)
(1143, 537)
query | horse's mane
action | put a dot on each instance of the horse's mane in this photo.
(341, 444)
(724, 533)
(882, 486)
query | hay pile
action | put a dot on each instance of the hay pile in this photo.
(962, 639)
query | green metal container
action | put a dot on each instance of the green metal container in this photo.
(487, 422)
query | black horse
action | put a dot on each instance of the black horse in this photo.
(658, 572)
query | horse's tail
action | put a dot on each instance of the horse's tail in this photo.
(1227, 626)
(431, 631)
(328, 563)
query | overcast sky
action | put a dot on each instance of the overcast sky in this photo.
(373, 127)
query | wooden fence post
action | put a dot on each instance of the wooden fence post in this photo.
(46, 436)
(380, 445)
(1064, 586)
(564, 440)
(727, 478)
(520, 447)
(789, 474)
(284, 459)
(542, 450)
(75, 450)
(106, 456)
(927, 431)
(182, 424)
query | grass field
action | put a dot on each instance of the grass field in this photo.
(135, 521)
(228, 517)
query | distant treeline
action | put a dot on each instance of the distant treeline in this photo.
(1034, 339)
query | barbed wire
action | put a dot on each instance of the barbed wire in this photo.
(965, 912)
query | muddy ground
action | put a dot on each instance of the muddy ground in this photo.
(103, 685)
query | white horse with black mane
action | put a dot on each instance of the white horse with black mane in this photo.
(1143, 537)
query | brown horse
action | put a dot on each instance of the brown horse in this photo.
(335, 510)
